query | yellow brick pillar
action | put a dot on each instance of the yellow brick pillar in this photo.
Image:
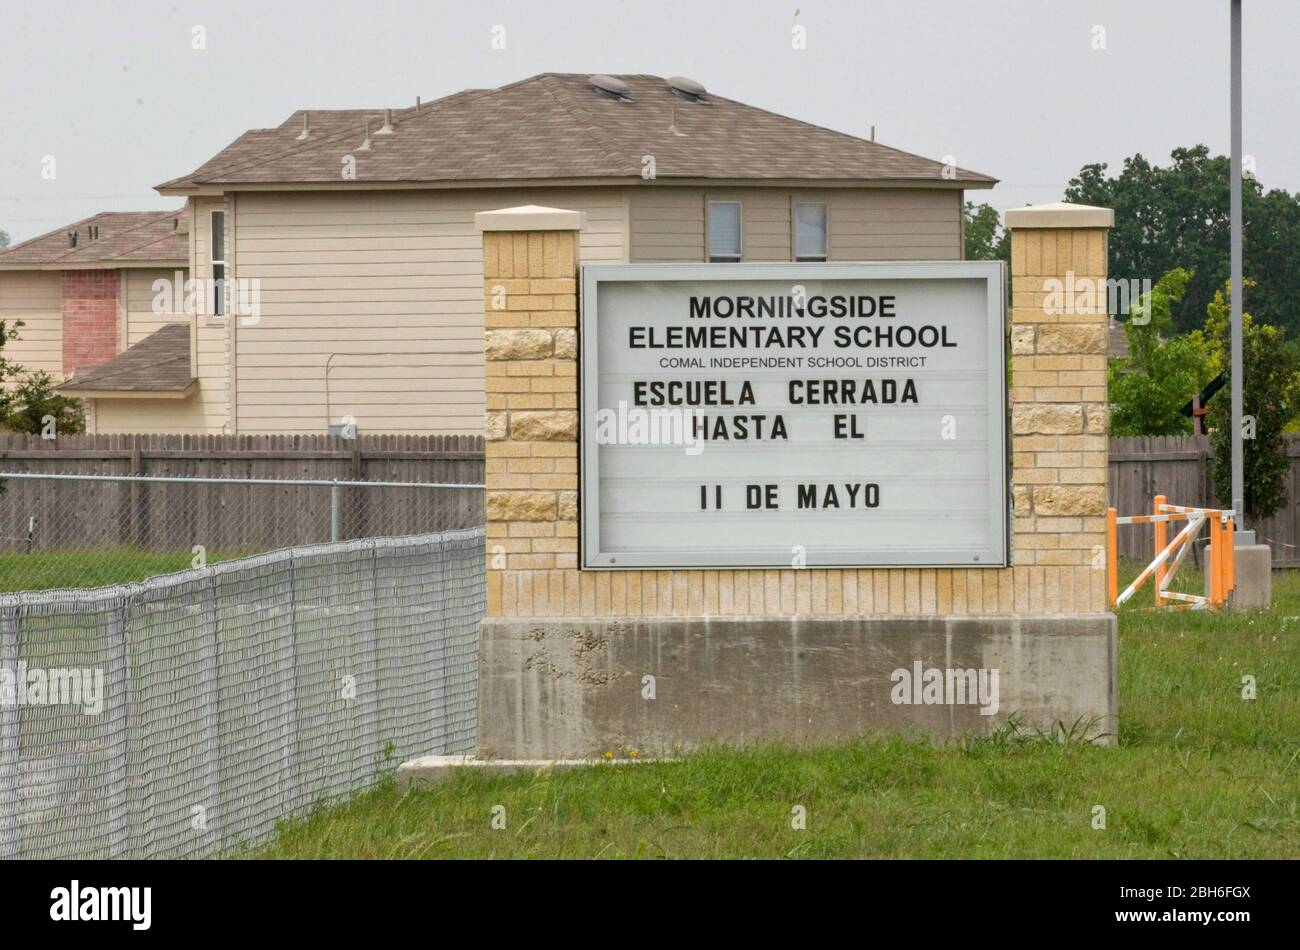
(1059, 342)
(530, 347)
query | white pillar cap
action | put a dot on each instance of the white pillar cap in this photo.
(1059, 214)
(530, 218)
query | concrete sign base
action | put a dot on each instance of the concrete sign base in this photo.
(579, 688)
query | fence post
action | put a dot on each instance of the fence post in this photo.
(1112, 556)
(136, 491)
(9, 740)
(1161, 540)
(1215, 593)
(334, 512)
(119, 664)
(288, 697)
(438, 682)
(1207, 475)
(370, 698)
(1229, 557)
(210, 659)
(358, 502)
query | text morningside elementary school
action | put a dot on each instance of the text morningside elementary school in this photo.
(784, 327)
(794, 334)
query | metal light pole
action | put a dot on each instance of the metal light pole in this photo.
(1237, 370)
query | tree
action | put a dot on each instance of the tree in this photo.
(8, 369)
(34, 405)
(28, 399)
(8, 331)
(986, 239)
(1178, 217)
(1270, 400)
(4, 239)
(1149, 387)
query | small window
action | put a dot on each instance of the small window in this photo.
(218, 263)
(810, 232)
(724, 231)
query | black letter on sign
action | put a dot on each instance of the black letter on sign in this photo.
(849, 431)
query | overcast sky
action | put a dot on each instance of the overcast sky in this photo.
(117, 94)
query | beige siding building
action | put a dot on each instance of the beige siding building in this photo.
(371, 305)
(353, 269)
(34, 298)
(863, 224)
(81, 296)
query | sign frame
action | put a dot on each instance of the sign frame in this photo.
(993, 273)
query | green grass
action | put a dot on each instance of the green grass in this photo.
(1199, 772)
(97, 567)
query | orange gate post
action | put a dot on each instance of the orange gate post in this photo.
(1229, 558)
(1215, 593)
(1161, 540)
(1112, 556)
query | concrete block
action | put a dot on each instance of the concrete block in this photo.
(1253, 565)
(565, 689)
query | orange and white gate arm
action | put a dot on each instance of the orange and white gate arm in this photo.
(1169, 555)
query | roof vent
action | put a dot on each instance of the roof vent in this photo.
(611, 87)
(92, 231)
(387, 127)
(365, 144)
(72, 239)
(687, 89)
(305, 134)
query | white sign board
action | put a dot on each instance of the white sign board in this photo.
(778, 415)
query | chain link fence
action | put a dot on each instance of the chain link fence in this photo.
(184, 661)
(185, 715)
(75, 530)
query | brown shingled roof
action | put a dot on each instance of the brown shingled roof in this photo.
(160, 363)
(125, 237)
(554, 125)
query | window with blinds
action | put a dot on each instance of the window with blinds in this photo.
(810, 242)
(724, 231)
(218, 261)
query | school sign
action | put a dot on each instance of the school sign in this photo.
(757, 415)
(728, 501)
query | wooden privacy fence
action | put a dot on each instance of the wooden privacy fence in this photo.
(1140, 468)
(230, 515)
(1180, 468)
